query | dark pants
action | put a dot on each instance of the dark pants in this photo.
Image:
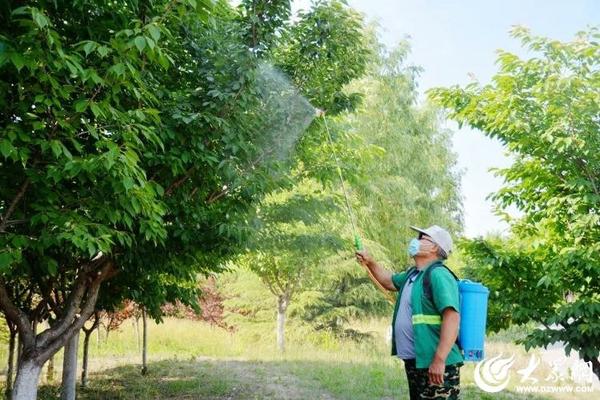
(419, 387)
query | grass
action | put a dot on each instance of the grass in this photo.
(190, 360)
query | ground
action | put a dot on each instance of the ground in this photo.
(189, 360)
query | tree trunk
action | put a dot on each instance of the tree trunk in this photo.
(68, 386)
(595, 364)
(36, 349)
(136, 326)
(11, 358)
(26, 384)
(282, 304)
(50, 370)
(86, 347)
(145, 342)
(84, 364)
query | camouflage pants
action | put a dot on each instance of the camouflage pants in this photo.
(419, 387)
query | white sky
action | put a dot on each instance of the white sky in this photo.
(452, 38)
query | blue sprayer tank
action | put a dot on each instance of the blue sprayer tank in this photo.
(473, 315)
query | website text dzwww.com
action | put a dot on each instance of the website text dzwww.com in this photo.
(554, 389)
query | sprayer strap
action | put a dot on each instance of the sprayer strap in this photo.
(426, 319)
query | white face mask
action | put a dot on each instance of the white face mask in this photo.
(415, 247)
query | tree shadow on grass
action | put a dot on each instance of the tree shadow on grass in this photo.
(238, 379)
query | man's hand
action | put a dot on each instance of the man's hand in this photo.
(436, 371)
(382, 276)
(364, 258)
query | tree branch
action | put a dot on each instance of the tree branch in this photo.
(179, 182)
(216, 196)
(16, 316)
(72, 303)
(94, 325)
(13, 205)
(106, 272)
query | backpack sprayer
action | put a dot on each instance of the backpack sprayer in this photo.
(357, 241)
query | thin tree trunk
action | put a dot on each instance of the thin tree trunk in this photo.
(86, 347)
(84, 363)
(595, 365)
(68, 387)
(145, 343)
(50, 370)
(26, 384)
(136, 326)
(282, 304)
(11, 358)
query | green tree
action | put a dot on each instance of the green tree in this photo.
(545, 111)
(295, 233)
(414, 180)
(126, 148)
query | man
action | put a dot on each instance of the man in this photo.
(426, 316)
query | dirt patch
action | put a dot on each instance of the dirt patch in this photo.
(258, 380)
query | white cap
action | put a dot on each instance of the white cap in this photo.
(438, 235)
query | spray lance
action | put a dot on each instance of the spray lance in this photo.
(357, 241)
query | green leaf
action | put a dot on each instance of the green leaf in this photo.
(6, 259)
(39, 18)
(89, 47)
(24, 10)
(103, 51)
(56, 147)
(17, 60)
(81, 105)
(6, 148)
(154, 32)
(52, 267)
(140, 43)
(150, 43)
(96, 110)
(128, 183)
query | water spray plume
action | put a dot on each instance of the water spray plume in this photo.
(287, 116)
(357, 241)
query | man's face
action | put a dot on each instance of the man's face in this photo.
(427, 246)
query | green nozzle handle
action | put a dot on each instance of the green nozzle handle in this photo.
(357, 242)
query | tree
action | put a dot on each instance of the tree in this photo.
(101, 135)
(545, 111)
(295, 234)
(413, 180)
(72, 186)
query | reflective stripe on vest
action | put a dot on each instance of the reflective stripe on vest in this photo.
(426, 319)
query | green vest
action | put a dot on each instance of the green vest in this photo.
(426, 316)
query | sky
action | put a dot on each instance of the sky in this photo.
(455, 40)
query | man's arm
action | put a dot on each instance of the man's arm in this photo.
(448, 335)
(383, 276)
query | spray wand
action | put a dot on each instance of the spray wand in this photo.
(357, 241)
